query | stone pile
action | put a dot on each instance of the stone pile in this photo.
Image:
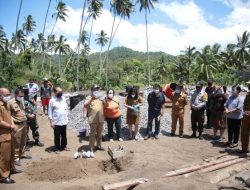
(77, 122)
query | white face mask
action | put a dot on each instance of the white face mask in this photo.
(110, 96)
(20, 99)
(6, 98)
(96, 94)
(156, 91)
(177, 91)
(133, 95)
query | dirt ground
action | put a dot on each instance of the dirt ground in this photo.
(149, 159)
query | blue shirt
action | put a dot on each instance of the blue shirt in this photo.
(235, 102)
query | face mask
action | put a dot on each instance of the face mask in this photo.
(198, 88)
(95, 94)
(133, 95)
(156, 91)
(177, 91)
(20, 99)
(110, 96)
(209, 84)
(6, 98)
(59, 94)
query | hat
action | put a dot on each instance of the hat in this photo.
(248, 82)
(45, 79)
(95, 86)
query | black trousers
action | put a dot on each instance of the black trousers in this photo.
(197, 120)
(153, 115)
(233, 130)
(60, 137)
(110, 123)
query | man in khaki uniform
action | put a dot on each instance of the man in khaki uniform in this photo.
(93, 109)
(19, 118)
(245, 129)
(178, 108)
(7, 128)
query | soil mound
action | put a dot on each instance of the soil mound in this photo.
(62, 169)
(116, 165)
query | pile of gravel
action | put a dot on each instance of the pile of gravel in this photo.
(77, 122)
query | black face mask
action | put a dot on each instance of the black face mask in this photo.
(210, 84)
(59, 94)
(198, 88)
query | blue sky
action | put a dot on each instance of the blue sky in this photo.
(173, 25)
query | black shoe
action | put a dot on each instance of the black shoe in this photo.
(244, 152)
(100, 148)
(17, 162)
(193, 135)
(156, 136)
(38, 143)
(65, 149)
(201, 137)
(146, 137)
(16, 171)
(181, 135)
(172, 134)
(7, 181)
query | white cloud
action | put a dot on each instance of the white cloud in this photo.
(194, 29)
(236, 3)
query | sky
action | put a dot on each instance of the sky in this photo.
(172, 25)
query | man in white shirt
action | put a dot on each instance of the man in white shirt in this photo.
(33, 88)
(58, 115)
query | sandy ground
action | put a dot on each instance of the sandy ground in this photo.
(149, 159)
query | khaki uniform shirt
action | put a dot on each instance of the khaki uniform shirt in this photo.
(17, 111)
(247, 102)
(179, 101)
(5, 115)
(95, 111)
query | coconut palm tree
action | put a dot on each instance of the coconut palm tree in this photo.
(95, 9)
(19, 41)
(61, 48)
(207, 62)
(18, 16)
(102, 40)
(29, 25)
(60, 13)
(242, 49)
(46, 16)
(146, 5)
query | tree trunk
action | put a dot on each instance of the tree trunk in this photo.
(149, 69)
(45, 21)
(60, 63)
(53, 28)
(91, 30)
(101, 62)
(78, 46)
(20, 7)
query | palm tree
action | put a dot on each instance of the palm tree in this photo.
(207, 62)
(242, 49)
(162, 69)
(60, 13)
(3, 38)
(102, 40)
(62, 48)
(186, 61)
(94, 10)
(18, 40)
(146, 5)
(18, 16)
(45, 21)
(29, 25)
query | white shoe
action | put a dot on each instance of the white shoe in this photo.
(92, 155)
(136, 138)
(86, 154)
(111, 140)
(120, 139)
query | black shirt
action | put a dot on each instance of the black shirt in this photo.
(155, 103)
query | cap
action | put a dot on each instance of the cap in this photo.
(199, 83)
(45, 79)
(95, 86)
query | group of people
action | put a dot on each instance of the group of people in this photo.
(18, 114)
